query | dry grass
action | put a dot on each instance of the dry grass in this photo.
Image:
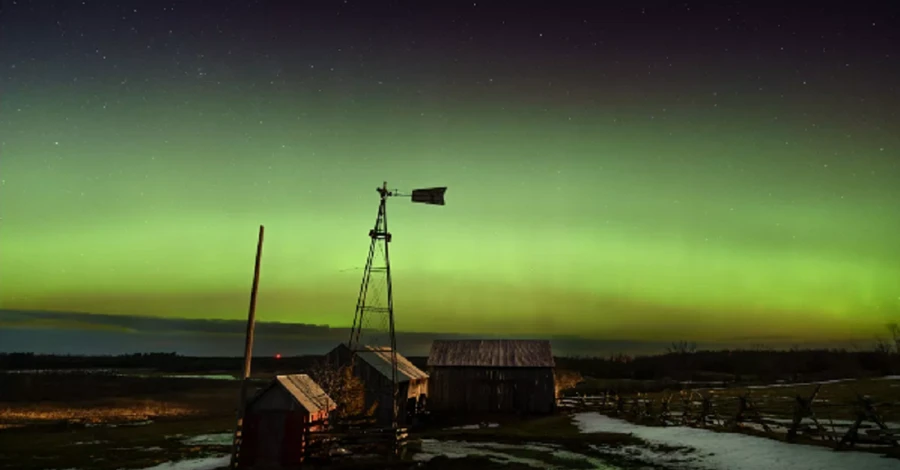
(112, 399)
(141, 411)
(110, 423)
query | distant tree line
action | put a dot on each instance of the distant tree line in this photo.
(682, 362)
(741, 366)
(160, 362)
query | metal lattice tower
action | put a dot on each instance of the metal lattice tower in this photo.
(373, 321)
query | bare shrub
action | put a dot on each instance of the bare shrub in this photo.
(346, 389)
(682, 347)
(894, 331)
(566, 380)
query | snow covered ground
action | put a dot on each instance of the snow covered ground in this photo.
(799, 384)
(473, 426)
(206, 463)
(730, 451)
(541, 456)
(205, 377)
(220, 439)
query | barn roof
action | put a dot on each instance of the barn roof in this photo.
(306, 391)
(491, 353)
(380, 360)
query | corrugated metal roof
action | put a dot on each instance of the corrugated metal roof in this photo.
(380, 360)
(491, 353)
(307, 392)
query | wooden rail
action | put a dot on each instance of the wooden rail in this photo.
(706, 410)
(325, 442)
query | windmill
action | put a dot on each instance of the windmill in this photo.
(373, 321)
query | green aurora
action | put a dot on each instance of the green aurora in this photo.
(632, 212)
(642, 230)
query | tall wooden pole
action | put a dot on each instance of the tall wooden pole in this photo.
(248, 352)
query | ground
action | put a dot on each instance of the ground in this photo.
(107, 421)
(104, 421)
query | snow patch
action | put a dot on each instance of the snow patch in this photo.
(222, 439)
(207, 463)
(207, 377)
(799, 384)
(731, 451)
(432, 448)
(474, 426)
(88, 443)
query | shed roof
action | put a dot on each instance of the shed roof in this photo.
(380, 360)
(491, 353)
(305, 391)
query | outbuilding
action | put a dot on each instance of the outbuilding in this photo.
(278, 420)
(374, 368)
(487, 376)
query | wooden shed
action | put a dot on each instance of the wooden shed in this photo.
(373, 367)
(276, 421)
(485, 376)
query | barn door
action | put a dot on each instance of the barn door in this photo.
(491, 393)
(512, 392)
(506, 396)
(271, 437)
(500, 396)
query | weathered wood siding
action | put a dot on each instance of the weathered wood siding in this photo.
(491, 389)
(277, 421)
(274, 430)
(379, 388)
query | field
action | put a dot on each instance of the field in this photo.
(105, 420)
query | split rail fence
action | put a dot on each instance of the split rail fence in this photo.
(327, 442)
(707, 410)
(352, 438)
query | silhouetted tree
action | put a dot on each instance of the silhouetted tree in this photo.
(339, 383)
(566, 379)
(682, 347)
(894, 331)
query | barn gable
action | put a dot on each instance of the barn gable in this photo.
(491, 353)
(373, 368)
(299, 389)
(380, 360)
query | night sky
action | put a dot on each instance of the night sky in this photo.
(640, 170)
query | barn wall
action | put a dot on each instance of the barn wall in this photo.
(379, 388)
(489, 389)
(275, 428)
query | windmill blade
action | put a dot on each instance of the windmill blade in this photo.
(433, 196)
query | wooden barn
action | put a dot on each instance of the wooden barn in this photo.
(373, 367)
(487, 376)
(277, 418)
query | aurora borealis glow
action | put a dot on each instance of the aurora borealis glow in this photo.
(694, 171)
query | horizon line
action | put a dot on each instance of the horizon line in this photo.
(761, 342)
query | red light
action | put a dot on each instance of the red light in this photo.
(278, 356)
